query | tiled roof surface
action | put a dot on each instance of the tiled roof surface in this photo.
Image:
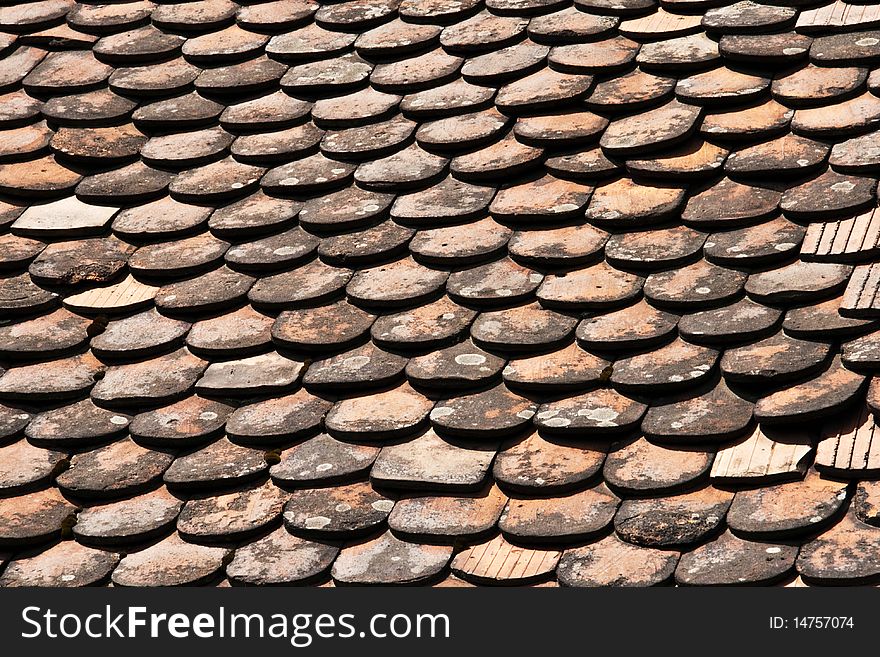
(439, 291)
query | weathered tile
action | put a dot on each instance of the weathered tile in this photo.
(268, 373)
(379, 416)
(568, 245)
(712, 416)
(568, 368)
(24, 467)
(729, 203)
(760, 244)
(119, 469)
(366, 366)
(128, 521)
(191, 421)
(154, 381)
(741, 321)
(639, 467)
(537, 465)
(634, 326)
(845, 554)
(459, 366)
(432, 325)
(389, 560)
(51, 380)
(829, 195)
(323, 460)
(33, 517)
(568, 518)
(672, 521)
(651, 130)
(677, 365)
(307, 328)
(45, 336)
(502, 282)
(171, 562)
(231, 516)
(343, 511)
(237, 333)
(280, 419)
(66, 564)
(447, 518)
(221, 463)
(612, 562)
(774, 359)
(729, 560)
(79, 423)
(629, 204)
(281, 559)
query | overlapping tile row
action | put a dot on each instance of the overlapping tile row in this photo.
(452, 292)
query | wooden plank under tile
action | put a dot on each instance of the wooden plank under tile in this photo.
(856, 239)
(761, 457)
(850, 446)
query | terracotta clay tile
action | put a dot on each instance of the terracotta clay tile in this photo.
(788, 155)
(231, 43)
(410, 167)
(747, 16)
(462, 132)
(604, 56)
(51, 335)
(856, 155)
(138, 45)
(765, 48)
(672, 521)
(165, 218)
(764, 456)
(599, 286)
(384, 241)
(80, 423)
(281, 558)
(396, 37)
(431, 517)
(774, 359)
(183, 150)
(762, 120)
(845, 554)
(17, 107)
(612, 562)
(267, 373)
(448, 200)
(544, 198)
(16, 252)
(33, 518)
(274, 110)
(567, 368)
(570, 24)
(730, 203)
(501, 65)
(216, 181)
(66, 564)
(276, 251)
(630, 91)
(799, 281)
(659, 25)
(367, 142)
(601, 411)
(221, 463)
(460, 244)
(244, 77)
(278, 15)
(134, 183)
(849, 117)
(822, 320)
(861, 353)
(109, 18)
(482, 32)
(171, 562)
(639, 466)
(346, 209)
(323, 460)
(126, 521)
(461, 365)
(403, 412)
(149, 382)
(754, 245)
(495, 412)
(500, 562)
(557, 246)
(420, 72)
(831, 194)
(453, 98)
(231, 516)
(637, 325)
(674, 366)
(215, 290)
(720, 86)
(712, 416)
(70, 71)
(432, 462)
(682, 53)
(178, 257)
(846, 446)
(310, 174)
(256, 213)
(538, 465)
(340, 74)
(815, 85)
(850, 48)
(729, 560)
(181, 111)
(431, 325)
(654, 249)
(58, 36)
(692, 286)
(527, 328)
(362, 367)
(694, 159)
(12, 422)
(400, 283)
(340, 512)
(742, 320)
(101, 146)
(201, 15)
(20, 295)
(124, 296)
(40, 178)
(389, 560)
(117, 470)
(616, 7)
(787, 509)
(19, 143)
(306, 43)
(573, 517)
(500, 282)
(435, 10)
(651, 130)
(277, 420)
(864, 502)
(523, 7)
(18, 64)
(193, 420)
(24, 467)
(560, 129)
(628, 204)
(317, 283)
(52, 380)
(818, 397)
